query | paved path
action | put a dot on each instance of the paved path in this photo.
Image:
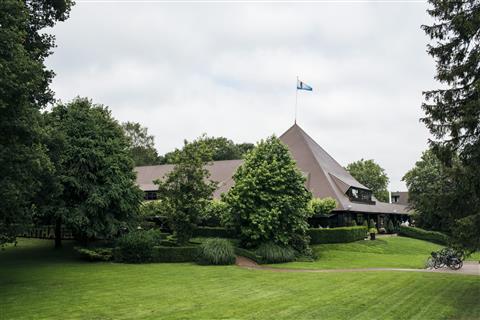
(469, 268)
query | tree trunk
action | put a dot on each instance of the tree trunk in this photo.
(58, 233)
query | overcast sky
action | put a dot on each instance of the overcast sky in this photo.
(229, 69)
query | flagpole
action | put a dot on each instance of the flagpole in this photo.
(296, 100)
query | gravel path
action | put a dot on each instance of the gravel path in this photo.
(469, 268)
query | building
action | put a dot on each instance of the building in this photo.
(325, 177)
(399, 197)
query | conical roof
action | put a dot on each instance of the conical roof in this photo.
(325, 176)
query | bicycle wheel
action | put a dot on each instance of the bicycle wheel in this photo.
(456, 264)
(430, 263)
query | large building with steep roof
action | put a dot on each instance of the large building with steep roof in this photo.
(325, 177)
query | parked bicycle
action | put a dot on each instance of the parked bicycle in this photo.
(447, 257)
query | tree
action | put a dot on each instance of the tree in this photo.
(428, 185)
(24, 90)
(269, 200)
(186, 189)
(371, 175)
(221, 149)
(142, 146)
(93, 180)
(452, 114)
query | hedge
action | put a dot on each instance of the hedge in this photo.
(417, 233)
(213, 232)
(337, 235)
(175, 254)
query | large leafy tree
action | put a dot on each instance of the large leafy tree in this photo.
(186, 190)
(221, 148)
(452, 113)
(24, 90)
(428, 186)
(142, 145)
(269, 200)
(371, 175)
(92, 189)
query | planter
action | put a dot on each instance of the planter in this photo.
(372, 236)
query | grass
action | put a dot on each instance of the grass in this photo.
(385, 252)
(38, 282)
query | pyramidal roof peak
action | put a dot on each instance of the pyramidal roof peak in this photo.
(333, 179)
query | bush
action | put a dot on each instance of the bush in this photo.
(217, 251)
(417, 233)
(213, 232)
(214, 214)
(137, 246)
(154, 208)
(95, 254)
(175, 254)
(273, 253)
(390, 227)
(337, 235)
(318, 206)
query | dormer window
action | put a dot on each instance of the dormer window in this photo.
(360, 195)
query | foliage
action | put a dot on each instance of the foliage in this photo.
(318, 206)
(220, 148)
(142, 145)
(217, 251)
(216, 213)
(175, 254)
(452, 113)
(273, 253)
(390, 227)
(269, 200)
(95, 254)
(371, 175)
(186, 190)
(137, 246)
(92, 189)
(209, 232)
(24, 91)
(428, 185)
(337, 235)
(417, 233)
(154, 208)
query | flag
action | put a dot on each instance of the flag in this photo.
(303, 86)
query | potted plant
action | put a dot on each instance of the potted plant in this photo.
(373, 232)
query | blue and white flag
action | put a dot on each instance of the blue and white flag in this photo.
(303, 86)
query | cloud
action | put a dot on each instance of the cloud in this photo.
(229, 69)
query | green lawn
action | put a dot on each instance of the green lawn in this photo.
(387, 252)
(38, 282)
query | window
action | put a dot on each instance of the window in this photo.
(150, 195)
(395, 199)
(360, 195)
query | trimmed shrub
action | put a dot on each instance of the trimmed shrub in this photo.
(217, 251)
(248, 254)
(95, 254)
(213, 232)
(337, 235)
(421, 234)
(273, 253)
(136, 246)
(390, 227)
(175, 254)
